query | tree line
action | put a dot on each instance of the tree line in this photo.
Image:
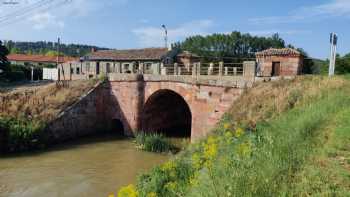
(49, 48)
(225, 47)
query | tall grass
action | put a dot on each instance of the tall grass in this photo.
(42, 103)
(21, 134)
(153, 142)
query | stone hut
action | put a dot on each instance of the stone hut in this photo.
(279, 62)
(187, 57)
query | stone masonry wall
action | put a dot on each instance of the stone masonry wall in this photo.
(85, 117)
(207, 102)
(124, 98)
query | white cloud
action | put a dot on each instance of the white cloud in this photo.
(44, 20)
(41, 14)
(154, 36)
(334, 8)
(281, 32)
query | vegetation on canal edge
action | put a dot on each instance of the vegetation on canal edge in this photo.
(291, 140)
(24, 113)
(154, 142)
(21, 134)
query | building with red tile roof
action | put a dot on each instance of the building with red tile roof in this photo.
(23, 59)
(279, 62)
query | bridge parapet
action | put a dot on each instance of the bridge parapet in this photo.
(247, 69)
(231, 82)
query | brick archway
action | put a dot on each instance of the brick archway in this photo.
(167, 112)
(126, 99)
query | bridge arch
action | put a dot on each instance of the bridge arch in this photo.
(167, 112)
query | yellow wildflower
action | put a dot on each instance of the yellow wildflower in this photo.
(239, 132)
(227, 126)
(212, 140)
(193, 181)
(168, 166)
(210, 150)
(171, 186)
(111, 195)
(196, 161)
(152, 194)
(228, 137)
(128, 191)
(244, 149)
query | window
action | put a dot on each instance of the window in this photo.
(78, 71)
(126, 67)
(108, 67)
(148, 66)
(71, 71)
(168, 60)
(97, 68)
(88, 66)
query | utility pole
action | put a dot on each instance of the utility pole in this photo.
(58, 60)
(333, 56)
(166, 36)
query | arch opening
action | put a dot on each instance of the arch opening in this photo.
(117, 127)
(168, 113)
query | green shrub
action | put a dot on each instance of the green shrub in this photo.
(16, 76)
(153, 142)
(22, 135)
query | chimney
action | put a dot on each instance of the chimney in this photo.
(93, 50)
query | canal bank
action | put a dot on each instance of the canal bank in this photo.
(94, 166)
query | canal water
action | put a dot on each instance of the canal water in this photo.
(93, 167)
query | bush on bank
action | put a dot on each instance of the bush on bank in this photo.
(21, 134)
(153, 142)
(270, 157)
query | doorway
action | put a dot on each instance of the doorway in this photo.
(97, 68)
(276, 69)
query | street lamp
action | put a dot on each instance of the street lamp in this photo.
(166, 36)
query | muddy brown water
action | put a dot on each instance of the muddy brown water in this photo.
(93, 167)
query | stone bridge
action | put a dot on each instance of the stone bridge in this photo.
(174, 105)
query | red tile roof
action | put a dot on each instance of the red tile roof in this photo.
(188, 54)
(279, 52)
(131, 54)
(39, 58)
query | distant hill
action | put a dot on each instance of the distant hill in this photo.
(49, 48)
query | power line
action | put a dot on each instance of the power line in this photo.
(44, 5)
(23, 9)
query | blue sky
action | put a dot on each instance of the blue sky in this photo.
(137, 23)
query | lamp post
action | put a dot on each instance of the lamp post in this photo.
(166, 36)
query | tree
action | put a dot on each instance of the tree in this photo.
(226, 47)
(4, 63)
(14, 50)
(342, 64)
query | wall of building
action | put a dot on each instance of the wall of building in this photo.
(290, 66)
(87, 69)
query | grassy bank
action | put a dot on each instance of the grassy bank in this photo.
(42, 103)
(25, 111)
(287, 138)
